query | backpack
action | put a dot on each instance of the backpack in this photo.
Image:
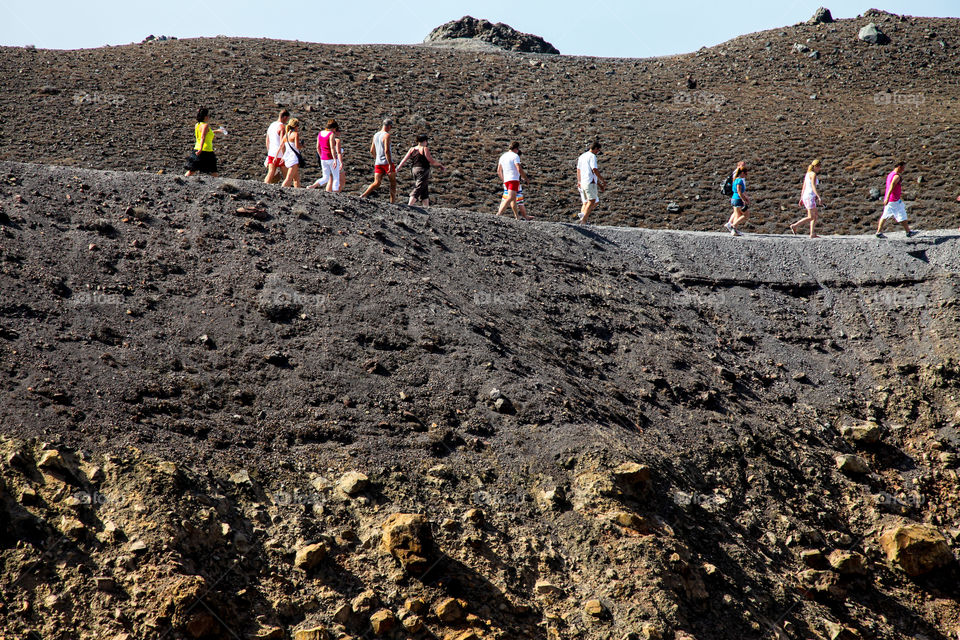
(727, 187)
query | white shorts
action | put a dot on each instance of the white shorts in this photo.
(290, 158)
(591, 193)
(330, 173)
(896, 210)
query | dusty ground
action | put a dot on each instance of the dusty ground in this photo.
(673, 127)
(209, 378)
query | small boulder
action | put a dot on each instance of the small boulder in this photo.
(824, 583)
(410, 621)
(545, 588)
(821, 16)
(407, 537)
(416, 605)
(595, 609)
(56, 462)
(862, 433)
(383, 622)
(353, 483)
(852, 465)
(848, 563)
(312, 633)
(916, 548)
(873, 35)
(450, 610)
(364, 602)
(72, 528)
(839, 632)
(309, 556)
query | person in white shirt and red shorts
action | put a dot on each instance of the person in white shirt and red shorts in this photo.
(274, 161)
(511, 174)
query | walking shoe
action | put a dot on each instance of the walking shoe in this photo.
(880, 235)
(736, 231)
(910, 234)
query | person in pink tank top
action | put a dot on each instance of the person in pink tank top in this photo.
(331, 158)
(893, 206)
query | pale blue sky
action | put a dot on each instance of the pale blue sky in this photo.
(619, 28)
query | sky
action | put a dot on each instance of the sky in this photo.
(615, 28)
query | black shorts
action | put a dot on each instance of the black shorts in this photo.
(421, 189)
(202, 162)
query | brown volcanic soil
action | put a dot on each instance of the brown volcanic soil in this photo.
(665, 142)
(172, 344)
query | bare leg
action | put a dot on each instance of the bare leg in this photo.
(588, 208)
(906, 226)
(188, 174)
(293, 177)
(509, 202)
(377, 179)
(880, 225)
(813, 222)
(811, 218)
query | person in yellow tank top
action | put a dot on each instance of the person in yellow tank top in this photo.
(203, 159)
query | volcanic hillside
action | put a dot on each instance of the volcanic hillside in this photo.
(217, 395)
(673, 127)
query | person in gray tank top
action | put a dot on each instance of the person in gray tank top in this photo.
(381, 149)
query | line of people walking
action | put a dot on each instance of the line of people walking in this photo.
(284, 159)
(810, 200)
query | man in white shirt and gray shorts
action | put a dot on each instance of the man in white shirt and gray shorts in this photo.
(589, 181)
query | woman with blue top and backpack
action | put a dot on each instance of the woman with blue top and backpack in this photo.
(738, 199)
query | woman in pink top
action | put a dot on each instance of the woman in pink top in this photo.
(893, 206)
(809, 199)
(331, 158)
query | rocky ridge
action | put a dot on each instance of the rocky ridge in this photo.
(499, 35)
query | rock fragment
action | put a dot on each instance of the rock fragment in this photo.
(916, 548)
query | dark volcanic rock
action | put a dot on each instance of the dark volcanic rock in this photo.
(822, 16)
(500, 35)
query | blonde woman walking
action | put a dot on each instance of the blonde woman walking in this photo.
(809, 199)
(291, 155)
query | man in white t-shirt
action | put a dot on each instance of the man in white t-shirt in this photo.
(275, 151)
(589, 181)
(511, 174)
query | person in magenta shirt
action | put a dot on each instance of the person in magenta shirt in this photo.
(331, 157)
(893, 206)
